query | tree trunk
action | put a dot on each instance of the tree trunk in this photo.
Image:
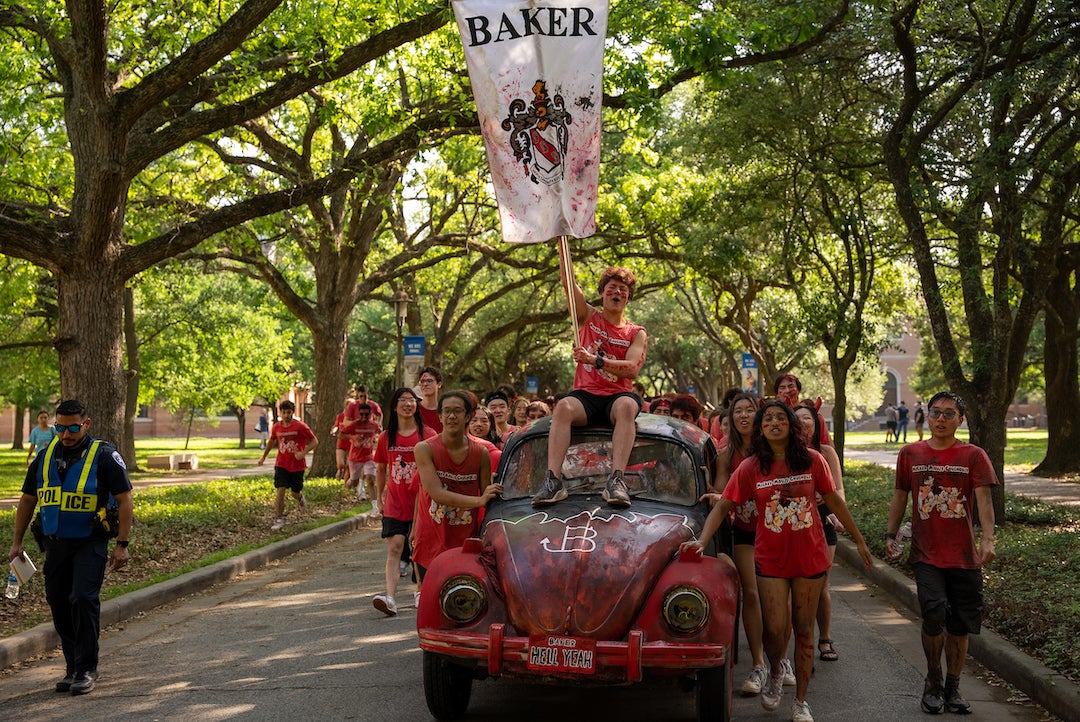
(986, 428)
(331, 374)
(20, 428)
(241, 417)
(90, 345)
(131, 398)
(1062, 319)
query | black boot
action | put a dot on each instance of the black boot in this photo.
(933, 696)
(953, 701)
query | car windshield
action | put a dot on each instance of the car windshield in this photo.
(659, 469)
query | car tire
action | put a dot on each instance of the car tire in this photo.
(447, 687)
(713, 693)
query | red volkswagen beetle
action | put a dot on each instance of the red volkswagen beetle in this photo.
(580, 592)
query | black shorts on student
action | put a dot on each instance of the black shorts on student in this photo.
(291, 480)
(598, 408)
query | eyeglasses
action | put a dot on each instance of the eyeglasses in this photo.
(453, 412)
(70, 428)
(947, 414)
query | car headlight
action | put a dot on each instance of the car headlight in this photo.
(686, 609)
(462, 599)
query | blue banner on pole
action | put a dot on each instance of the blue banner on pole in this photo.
(532, 384)
(749, 373)
(414, 346)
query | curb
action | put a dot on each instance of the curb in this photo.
(1047, 688)
(43, 638)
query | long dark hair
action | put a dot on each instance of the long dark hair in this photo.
(796, 454)
(814, 442)
(392, 417)
(734, 439)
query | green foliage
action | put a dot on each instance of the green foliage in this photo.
(27, 327)
(207, 342)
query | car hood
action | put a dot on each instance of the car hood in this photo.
(582, 568)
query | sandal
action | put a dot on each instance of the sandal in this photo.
(828, 654)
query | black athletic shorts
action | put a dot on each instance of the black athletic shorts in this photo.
(743, 537)
(291, 480)
(598, 408)
(830, 530)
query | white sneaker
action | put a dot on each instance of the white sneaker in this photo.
(800, 712)
(386, 605)
(772, 692)
(403, 568)
(754, 681)
(788, 671)
(277, 525)
(416, 599)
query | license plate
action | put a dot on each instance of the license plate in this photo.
(549, 653)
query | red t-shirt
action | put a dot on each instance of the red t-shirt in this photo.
(401, 482)
(440, 527)
(343, 440)
(942, 486)
(744, 515)
(290, 439)
(494, 452)
(431, 418)
(364, 437)
(790, 541)
(597, 334)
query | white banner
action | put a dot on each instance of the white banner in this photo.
(536, 69)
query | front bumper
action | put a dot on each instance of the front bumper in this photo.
(620, 660)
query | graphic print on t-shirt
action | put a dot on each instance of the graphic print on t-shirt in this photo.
(948, 501)
(787, 507)
(793, 510)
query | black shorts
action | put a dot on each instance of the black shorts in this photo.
(395, 527)
(291, 480)
(826, 525)
(743, 537)
(960, 590)
(598, 408)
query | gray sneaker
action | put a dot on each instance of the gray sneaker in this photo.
(551, 490)
(615, 493)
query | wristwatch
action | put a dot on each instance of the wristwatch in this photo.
(599, 360)
(122, 543)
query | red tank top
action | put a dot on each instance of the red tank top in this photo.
(440, 527)
(596, 334)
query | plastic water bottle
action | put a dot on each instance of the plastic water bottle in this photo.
(12, 590)
(900, 544)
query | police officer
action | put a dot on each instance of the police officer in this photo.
(72, 478)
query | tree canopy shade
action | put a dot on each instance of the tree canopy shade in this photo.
(122, 101)
(982, 153)
(121, 121)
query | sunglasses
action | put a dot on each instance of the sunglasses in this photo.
(70, 428)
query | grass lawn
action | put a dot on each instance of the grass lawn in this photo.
(213, 453)
(1026, 447)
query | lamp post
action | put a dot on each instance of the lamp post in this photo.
(401, 312)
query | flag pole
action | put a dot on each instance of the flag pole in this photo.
(569, 283)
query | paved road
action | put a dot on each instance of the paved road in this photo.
(299, 639)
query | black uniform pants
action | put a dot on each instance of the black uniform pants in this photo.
(74, 571)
